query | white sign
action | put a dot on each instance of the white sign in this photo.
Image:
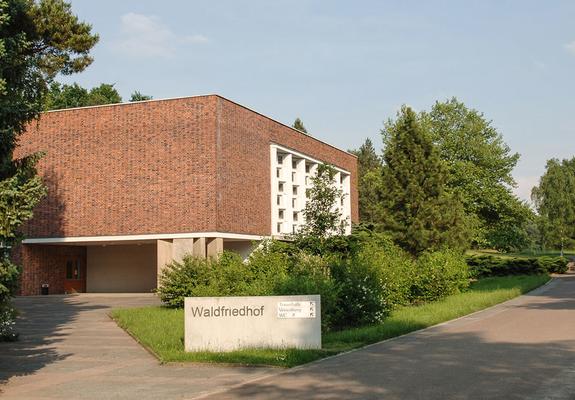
(296, 309)
(232, 323)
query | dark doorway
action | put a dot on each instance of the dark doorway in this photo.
(75, 279)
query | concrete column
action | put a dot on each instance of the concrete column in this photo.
(164, 255)
(199, 247)
(215, 247)
(182, 248)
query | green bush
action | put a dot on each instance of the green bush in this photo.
(483, 266)
(310, 274)
(439, 274)
(554, 265)
(394, 267)
(7, 317)
(9, 274)
(202, 277)
(360, 280)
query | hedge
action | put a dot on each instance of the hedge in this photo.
(488, 265)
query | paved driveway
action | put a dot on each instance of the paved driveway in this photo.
(523, 349)
(71, 349)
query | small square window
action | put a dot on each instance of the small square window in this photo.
(281, 214)
(295, 216)
(294, 190)
(281, 187)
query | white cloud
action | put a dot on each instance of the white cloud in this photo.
(570, 47)
(146, 36)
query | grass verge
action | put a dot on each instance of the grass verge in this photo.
(161, 330)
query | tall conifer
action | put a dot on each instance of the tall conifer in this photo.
(417, 209)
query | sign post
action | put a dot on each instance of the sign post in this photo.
(233, 323)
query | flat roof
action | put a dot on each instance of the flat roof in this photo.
(191, 97)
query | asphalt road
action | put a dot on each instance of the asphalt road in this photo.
(522, 349)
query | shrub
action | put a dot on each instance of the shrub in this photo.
(194, 276)
(554, 265)
(483, 266)
(7, 332)
(310, 274)
(439, 274)
(360, 281)
(9, 274)
(395, 268)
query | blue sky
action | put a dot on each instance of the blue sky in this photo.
(344, 67)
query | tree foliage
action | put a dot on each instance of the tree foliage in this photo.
(19, 194)
(369, 167)
(298, 124)
(137, 96)
(73, 95)
(417, 207)
(38, 40)
(554, 199)
(323, 217)
(480, 164)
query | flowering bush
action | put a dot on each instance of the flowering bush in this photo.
(7, 332)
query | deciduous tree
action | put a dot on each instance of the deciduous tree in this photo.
(480, 164)
(554, 199)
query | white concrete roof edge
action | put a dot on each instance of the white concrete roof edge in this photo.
(161, 236)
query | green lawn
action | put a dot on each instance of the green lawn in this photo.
(161, 330)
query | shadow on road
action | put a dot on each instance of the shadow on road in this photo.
(521, 351)
(450, 366)
(41, 324)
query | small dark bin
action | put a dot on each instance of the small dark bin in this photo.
(45, 289)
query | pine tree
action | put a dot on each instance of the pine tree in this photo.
(297, 124)
(416, 207)
(369, 177)
(137, 96)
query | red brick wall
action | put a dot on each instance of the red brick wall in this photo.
(45, 264)
(195, 164)
(244, 182)
(127, 169)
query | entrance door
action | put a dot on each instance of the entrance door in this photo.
(75, 279)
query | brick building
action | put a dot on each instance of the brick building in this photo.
(133, 186)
